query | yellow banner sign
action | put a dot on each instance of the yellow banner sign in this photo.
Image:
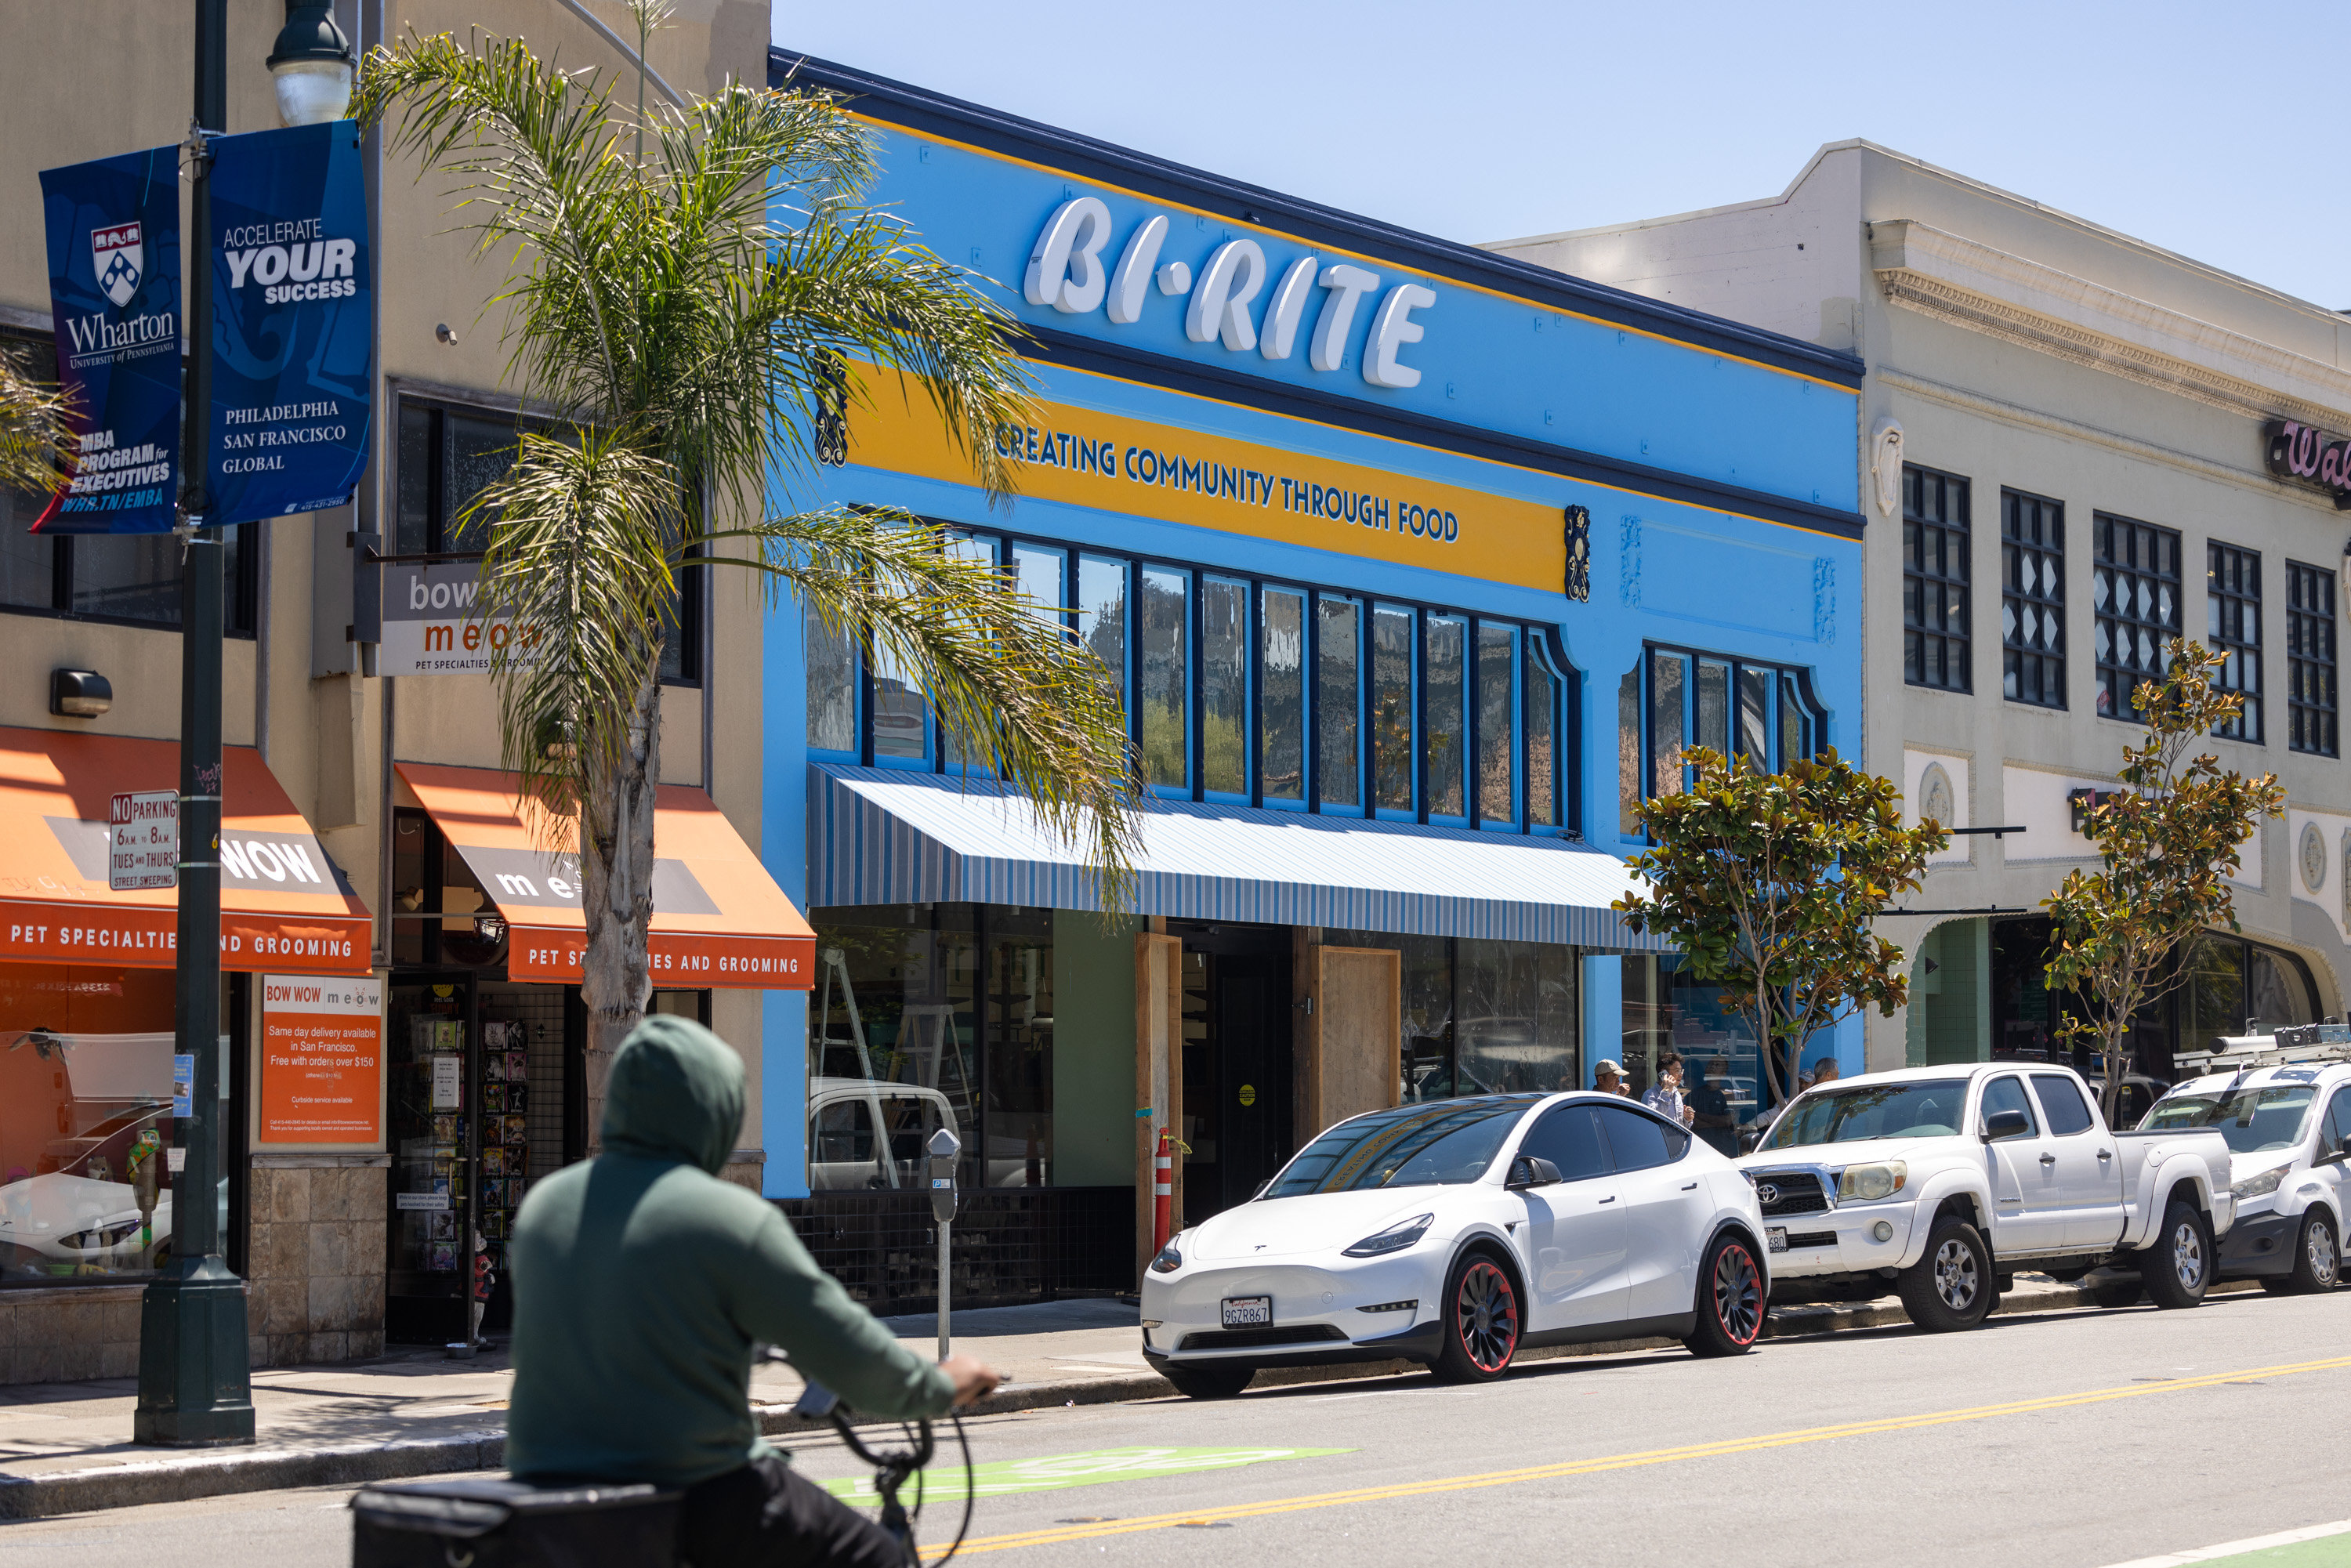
(1117, 463)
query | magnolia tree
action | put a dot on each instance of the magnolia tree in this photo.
(1768, 883)
(2168, 840)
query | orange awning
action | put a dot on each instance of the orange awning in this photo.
(284, 908)
(719, 919)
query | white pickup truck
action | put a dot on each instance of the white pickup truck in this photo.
(1944, 1181)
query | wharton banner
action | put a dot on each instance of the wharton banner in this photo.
(114, 289)
(292, 353)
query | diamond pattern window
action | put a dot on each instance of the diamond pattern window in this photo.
(2033, 598)
(2136, 595)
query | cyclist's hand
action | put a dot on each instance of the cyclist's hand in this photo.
(973, 1380)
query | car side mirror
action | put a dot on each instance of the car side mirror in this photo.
(2006, 1124)
(1531, 1170)
(2336, 1155)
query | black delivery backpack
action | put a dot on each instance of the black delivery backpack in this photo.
(513, 1525)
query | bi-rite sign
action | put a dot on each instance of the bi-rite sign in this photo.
(322, 1060)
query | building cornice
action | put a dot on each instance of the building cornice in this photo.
(2020, 301)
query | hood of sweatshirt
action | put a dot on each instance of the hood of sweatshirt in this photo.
(675, 1094)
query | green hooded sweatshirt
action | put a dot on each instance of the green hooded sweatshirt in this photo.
(641, 1281)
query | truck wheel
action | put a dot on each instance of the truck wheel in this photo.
(1729, 1301)
(2316, 1259)
(1216, 1380)
(1950, 1287)
(1480, 1322)
(2178, 1266)
(2117, 1293)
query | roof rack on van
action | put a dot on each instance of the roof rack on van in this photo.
(2292, 1043)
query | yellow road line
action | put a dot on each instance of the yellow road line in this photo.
(1629, 1461)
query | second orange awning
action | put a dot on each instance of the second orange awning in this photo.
(719, 919)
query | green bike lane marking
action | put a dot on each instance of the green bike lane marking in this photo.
(1007, 1477)
(2314, 1546)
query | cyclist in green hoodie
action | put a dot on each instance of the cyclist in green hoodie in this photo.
(641, 1282)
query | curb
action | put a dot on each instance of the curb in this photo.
(185, 1477)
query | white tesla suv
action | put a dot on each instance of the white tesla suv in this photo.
(1454, 1232)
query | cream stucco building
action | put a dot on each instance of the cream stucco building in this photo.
(2066, 446)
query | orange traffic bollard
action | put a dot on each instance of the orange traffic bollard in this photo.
(1163, 1192)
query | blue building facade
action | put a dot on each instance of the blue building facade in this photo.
(1417, 565)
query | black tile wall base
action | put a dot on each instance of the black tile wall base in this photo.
(1008, 1247)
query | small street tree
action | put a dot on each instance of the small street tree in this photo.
(1769, 884)
(692, 291)
(2169, 839)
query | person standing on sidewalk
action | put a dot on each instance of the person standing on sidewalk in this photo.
(641, 1283)
(1666, 1099)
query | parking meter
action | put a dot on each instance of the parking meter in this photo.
(146, 1186)
(943, 1147)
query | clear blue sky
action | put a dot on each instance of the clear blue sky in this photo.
(2212, 130)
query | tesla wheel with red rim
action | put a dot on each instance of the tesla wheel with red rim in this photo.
(1729, 1305)
(1481, 1329)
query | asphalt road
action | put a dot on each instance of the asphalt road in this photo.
(2081, 1439)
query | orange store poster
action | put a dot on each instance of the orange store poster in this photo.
(322, 1060)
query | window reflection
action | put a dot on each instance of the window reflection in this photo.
(1498, 650)
(1542, 737)
(831, 684)
(86, 1124)
(1102, 614)
(1665, 722)
(1166, 611)
(1445, 676)
(1339, 777)
(1284, 699)
(1392, 747)
(1224, 686)
(893, 1043)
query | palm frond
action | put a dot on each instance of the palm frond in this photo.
(36, 437)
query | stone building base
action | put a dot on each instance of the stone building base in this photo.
(316, 1259)
(70, 1334)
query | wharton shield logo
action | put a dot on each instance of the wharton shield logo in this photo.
(119, 259)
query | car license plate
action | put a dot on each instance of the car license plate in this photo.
(1775, 1237)
(1241, 1312)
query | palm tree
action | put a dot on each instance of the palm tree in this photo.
(692, 288)
(36, 437)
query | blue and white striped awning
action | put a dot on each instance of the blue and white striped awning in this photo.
(881, 836)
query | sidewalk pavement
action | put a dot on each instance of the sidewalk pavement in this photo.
(64, 1448)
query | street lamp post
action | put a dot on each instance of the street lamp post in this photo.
(195, 1385)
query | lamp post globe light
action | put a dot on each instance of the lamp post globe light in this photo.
(311, 66)
(195, 1383)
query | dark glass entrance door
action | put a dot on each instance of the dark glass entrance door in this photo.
(1236, 1063)
(433, 1125)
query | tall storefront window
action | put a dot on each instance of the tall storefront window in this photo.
(1669, 1011)
(1019, 1041)
(1497, 751)
(2232, 607)
(1340, 762)
(1392, 723)
(89, 1139)
(1224, 687)
(896, 1028)
(1483, 1016)
(1938, 616)
(1165, 737)
(1282, 715)
(1448, 722)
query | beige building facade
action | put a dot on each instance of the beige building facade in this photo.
(326, 1234)
(2074, 444)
